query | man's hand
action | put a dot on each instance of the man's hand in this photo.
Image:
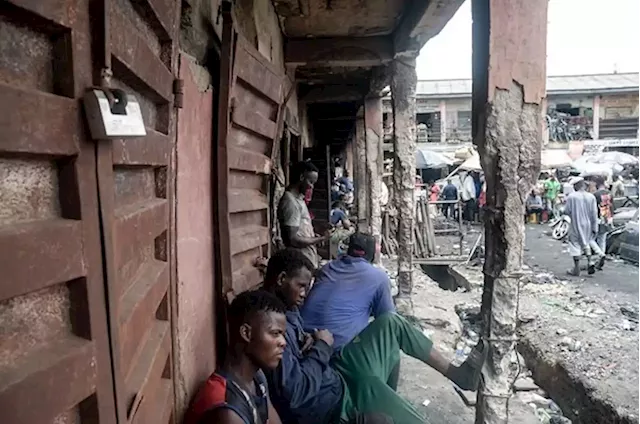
(324, 335)
(308, 342)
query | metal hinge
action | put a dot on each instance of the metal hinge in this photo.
(178, 92)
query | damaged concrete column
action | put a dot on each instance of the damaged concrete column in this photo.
(374, 134)
(509, 72)
(403, 101)
(360, 177)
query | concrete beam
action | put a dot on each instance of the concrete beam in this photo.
(508, 98)
(332, 94)
(423, 20)
(339, 51)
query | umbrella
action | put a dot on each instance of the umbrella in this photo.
(472, 164)
(430, 159)
(619, 158)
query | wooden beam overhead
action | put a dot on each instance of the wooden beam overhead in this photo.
(339, 51)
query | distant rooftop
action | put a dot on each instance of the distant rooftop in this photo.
(599, 83)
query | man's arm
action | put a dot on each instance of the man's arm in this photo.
(224, 416)
(290, 220)
(383, 302)
(298, 380)
(293, 239)
(274, 418)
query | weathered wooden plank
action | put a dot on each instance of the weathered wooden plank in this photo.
(38, 254)
(151, 150)
(158, 406)
(241, 200)
(56, 378)
(250, 119)
(149, 365)
(138, 308)
(133, 52)
(164, 12)
(36, 122)
(137, 225)
(246, 160)
(247, 140)
(254, 73)
(248, 238)
(246, 279)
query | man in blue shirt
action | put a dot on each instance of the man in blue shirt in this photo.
(449, 192)
(347, 292)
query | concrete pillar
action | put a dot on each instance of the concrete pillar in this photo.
(443, 121)
(360, 179)
(509, 74)
(403, 97)
(374, 135)
(596, 117)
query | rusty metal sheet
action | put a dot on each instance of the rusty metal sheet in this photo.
(152, 359)
(164, 11)
(153, 149)
(36, 122)
(132, 51)
(59, 11)
(52, 300)
(38, 254)
(45, 376)
(137, 212)
(137, 225)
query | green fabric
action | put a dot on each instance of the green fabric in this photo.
(367, 362)
(551, 189)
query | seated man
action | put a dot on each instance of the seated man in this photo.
(534, 205)
(347, 292)
(309, 386)
(237, 393)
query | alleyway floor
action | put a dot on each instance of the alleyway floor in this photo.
(579, 338)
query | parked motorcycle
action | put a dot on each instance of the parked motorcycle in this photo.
(560, 224)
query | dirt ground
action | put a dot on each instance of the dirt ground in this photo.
(579, 339)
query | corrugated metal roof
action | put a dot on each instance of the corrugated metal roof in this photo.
(571, 83)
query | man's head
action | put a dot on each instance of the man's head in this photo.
(305, 176)
(362, 245)
(448, 180)
(257, 323)
(599, 182)
(289, 274)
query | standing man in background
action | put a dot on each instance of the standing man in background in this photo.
(551, 189)
(293, 214)
(468, 195)
(449, 192)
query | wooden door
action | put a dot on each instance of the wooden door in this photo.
(135, 179)
(54, 347)
(251, 97)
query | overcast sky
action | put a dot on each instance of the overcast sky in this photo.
(584, 37)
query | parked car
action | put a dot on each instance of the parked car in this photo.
(623, 239)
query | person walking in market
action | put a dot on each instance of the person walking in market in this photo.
(581, 206)
(552, 188)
